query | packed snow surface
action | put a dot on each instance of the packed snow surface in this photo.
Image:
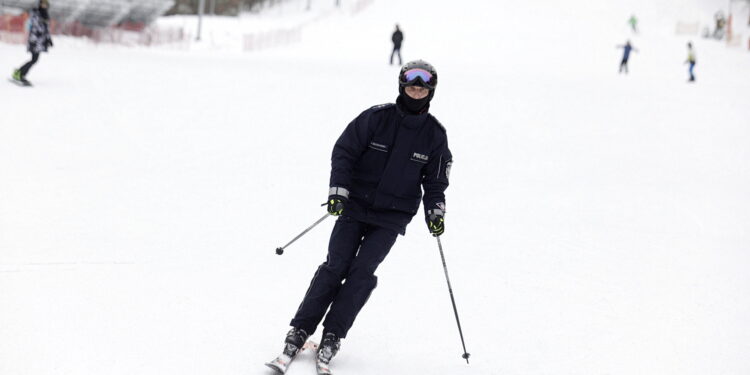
(597, 223)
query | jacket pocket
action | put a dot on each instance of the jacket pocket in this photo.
(378, 146)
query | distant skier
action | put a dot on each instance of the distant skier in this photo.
(39, 40)
(721, 23)
(380, 165)
(627, 48)
(397, 38)
(633, 22)
(691, 60)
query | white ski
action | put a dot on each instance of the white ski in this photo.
(281, 363)
(322, 368)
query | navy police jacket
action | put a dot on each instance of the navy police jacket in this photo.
(385, 159)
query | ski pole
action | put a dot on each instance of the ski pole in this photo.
(453, 301)
(280, 250)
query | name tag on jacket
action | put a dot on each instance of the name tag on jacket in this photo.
(421, 158)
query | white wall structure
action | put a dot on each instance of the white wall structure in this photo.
(100, 13)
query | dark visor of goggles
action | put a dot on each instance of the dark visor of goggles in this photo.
(412, 76)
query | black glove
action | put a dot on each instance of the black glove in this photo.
(435, 221)
(337, 198)
(49, 42)
(336, 205)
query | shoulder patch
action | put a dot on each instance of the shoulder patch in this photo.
(380, 107)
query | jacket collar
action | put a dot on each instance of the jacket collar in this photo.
(405, 112)
(411, 120)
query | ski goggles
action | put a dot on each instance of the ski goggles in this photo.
(418, 77)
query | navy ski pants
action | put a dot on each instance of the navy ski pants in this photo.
(396, 50)
(624, 65)
(354, 253)
(26, 67)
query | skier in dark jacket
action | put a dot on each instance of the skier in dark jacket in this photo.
(397, 38)
(627, 48)
(380, 166)
(39, 39)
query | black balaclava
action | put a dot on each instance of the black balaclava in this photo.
(43, 10)
(411, 105)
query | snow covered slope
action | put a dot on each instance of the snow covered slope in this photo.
(598, 224)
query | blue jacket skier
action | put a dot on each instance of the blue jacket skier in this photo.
(626, 49)
(380, 166)
(691, 60)
(39, 39)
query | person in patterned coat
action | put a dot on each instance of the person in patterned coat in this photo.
(39, 39)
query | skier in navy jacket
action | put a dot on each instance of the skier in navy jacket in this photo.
(626, 49)
(380, 165)
(397, 38)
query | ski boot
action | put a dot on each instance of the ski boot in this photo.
(295, 339)
(19, 79)
(327, 350)
(293, 344)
